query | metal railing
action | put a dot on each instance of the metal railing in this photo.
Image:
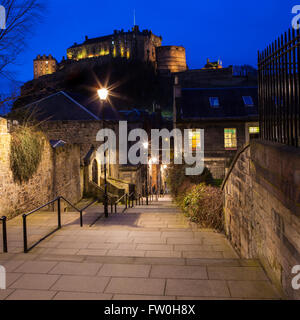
(58, 200)
(124, 196)
(279, 90)
(25, 239)
(4, 233)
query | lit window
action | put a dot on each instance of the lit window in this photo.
(248, 101)
(194, 139)
(253, 130)
(214, 102)
(230, 139)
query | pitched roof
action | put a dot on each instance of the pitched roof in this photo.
(71, 106)
(105, 111)
(60, 106)
(195, 103)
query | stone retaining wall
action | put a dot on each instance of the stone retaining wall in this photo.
(58, 174)
(262, 209)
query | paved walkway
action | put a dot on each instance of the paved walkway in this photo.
(146, 253)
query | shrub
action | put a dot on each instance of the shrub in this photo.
(26, 153)
(204, 205)
(179, 182)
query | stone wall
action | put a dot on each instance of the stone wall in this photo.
(82, 133)
(58, 174)
(262, 209)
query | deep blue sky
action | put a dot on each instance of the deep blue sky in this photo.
(232, 30)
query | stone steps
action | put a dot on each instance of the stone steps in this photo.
(148, 252)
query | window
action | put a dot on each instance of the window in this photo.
(253, 130)
(194, 139)
(230, 139)
(214, 102)
(248, 101)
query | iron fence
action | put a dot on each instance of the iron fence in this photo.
(279, 92)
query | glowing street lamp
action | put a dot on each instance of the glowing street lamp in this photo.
(103, 94)
(145, 145)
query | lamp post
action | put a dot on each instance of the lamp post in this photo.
(146, 145)
(103, 94)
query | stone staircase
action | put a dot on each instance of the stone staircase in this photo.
(148, 252)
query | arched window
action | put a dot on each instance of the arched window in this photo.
(95, 172)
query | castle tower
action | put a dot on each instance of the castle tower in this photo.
(171, 59)
(43, 65)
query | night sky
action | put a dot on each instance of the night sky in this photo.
(230, 30)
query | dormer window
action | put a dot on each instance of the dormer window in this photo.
(214, 102)
(248, 101)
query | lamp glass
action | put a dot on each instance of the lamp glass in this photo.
(103, 93)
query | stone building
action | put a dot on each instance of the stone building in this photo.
(225, 107)
(171, 59)
(134, 44)
(43, 65)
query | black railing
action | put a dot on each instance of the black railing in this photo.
(131, 198)
(124, 196)
(59, 225)
(4, 234)
(279, 90)
(25, 239)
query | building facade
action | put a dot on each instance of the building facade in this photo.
(226, 109)
(133, 44)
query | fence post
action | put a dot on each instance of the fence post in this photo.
(115, 207)
(81, 219)
(25, 234)
(126, 201)
(58, 213)
(4, 233)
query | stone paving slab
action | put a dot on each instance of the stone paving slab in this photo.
(237, 273)
(81, 284)
(81, 296)
(136, 286)
(179, 272)
(252, 290)
(125, 270)
(36, 267)
(35, 281)
(76, 268)
(21, 294)
(197, 288)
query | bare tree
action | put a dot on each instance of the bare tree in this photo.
(21, 17)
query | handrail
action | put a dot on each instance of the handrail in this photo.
(58, 199)
(69, 203)
(94, 201)
(4, 233)
(41, 207)
(235, 159)
(25, 215)
(129, 197)
(120, 198)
